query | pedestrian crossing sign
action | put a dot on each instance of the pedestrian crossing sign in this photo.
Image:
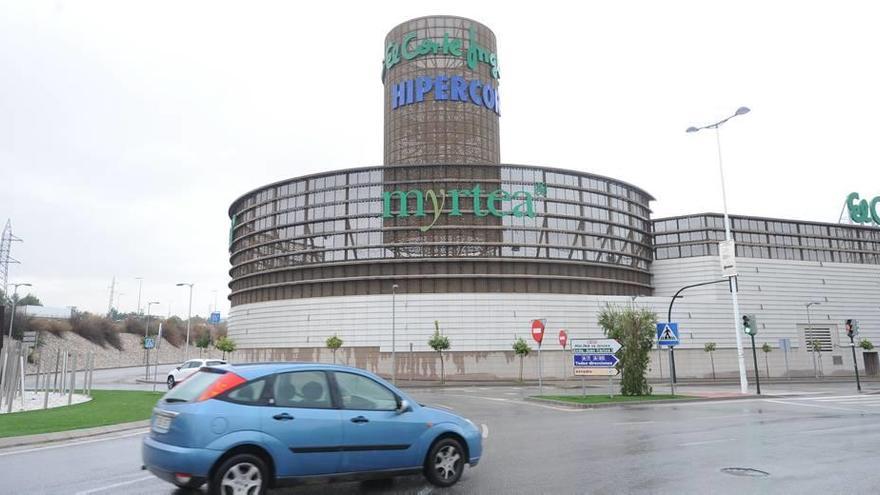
(667, 334)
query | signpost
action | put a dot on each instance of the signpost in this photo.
(149, 343)
(214, 318)
(727, 254)
(563, 340)
(667, 334)
(538, 335)
(595, 358)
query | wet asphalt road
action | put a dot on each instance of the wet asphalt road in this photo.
(822, 443)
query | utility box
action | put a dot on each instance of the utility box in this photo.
(872, 363)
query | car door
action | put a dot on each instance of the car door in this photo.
(301, 416)
(376, 436)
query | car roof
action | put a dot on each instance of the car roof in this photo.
(255, 370)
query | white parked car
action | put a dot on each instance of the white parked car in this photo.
(180, 373)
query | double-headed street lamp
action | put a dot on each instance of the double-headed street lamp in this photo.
(393, 335)
(188, 318)
(743, 380)
(14, 301)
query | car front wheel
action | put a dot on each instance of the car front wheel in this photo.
(241, 474)
(445, 462)
(170, 382)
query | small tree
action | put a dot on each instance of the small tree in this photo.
(816, 347)
(334, 343)
(225, 344)
(203, 342)
(439, 343)
(521, 348)
(635, 330)
(767, 350)
(866, 344)
(710, 348)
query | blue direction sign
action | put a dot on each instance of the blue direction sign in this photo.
(667, 334)
(596, 360)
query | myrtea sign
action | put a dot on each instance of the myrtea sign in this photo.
(498, 203)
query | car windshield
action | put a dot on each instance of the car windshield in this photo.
(192, 387)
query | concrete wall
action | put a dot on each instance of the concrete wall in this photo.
(132, 353)
(482, 327)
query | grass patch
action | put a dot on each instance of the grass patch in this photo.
(107, 407)
(600, 399)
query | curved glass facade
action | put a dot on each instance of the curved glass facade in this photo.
(342, 233)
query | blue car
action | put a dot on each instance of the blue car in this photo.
(246, 428)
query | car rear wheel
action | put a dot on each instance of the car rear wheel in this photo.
(170, 382)
(241, 474)
(445, 462)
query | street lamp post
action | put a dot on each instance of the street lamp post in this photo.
(188, 318)
(743, 380)
(811, 341)
(393, 334)
(147, 334)
(140, 287)
(14, 301)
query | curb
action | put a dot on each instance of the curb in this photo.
(602, 405)
(60, 436)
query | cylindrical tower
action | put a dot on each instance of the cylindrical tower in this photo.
(441, 78)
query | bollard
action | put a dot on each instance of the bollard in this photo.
(62, 389)
(57, 363)
(72, 380)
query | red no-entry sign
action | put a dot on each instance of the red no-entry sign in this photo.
(538, 330)
(563, 338)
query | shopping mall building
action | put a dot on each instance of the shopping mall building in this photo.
(444, 231)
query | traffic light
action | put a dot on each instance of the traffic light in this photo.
(852, 328)
(750, 325)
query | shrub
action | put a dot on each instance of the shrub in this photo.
(634, 329)
(96, 329)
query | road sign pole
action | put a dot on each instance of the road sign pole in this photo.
(540, 372)
(855, 363)
(671, 372)
(672, 363)
(755, 356)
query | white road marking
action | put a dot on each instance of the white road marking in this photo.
(444, 406)
(634, 423)
(426, 490)
(484, 429)
(789, 403)
(115, 485)
(705, 442)
(71, 444)
(522, 402)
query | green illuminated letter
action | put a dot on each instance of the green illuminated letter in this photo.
(527, 203)
(496, 195)
(403, 196)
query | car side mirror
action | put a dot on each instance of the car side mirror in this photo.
(404, 406)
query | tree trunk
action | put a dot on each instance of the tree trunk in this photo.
(442, 371)
(712, 358)
(767, 364)
(334, 356)
(520, 367)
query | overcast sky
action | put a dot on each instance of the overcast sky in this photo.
(128, 128)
